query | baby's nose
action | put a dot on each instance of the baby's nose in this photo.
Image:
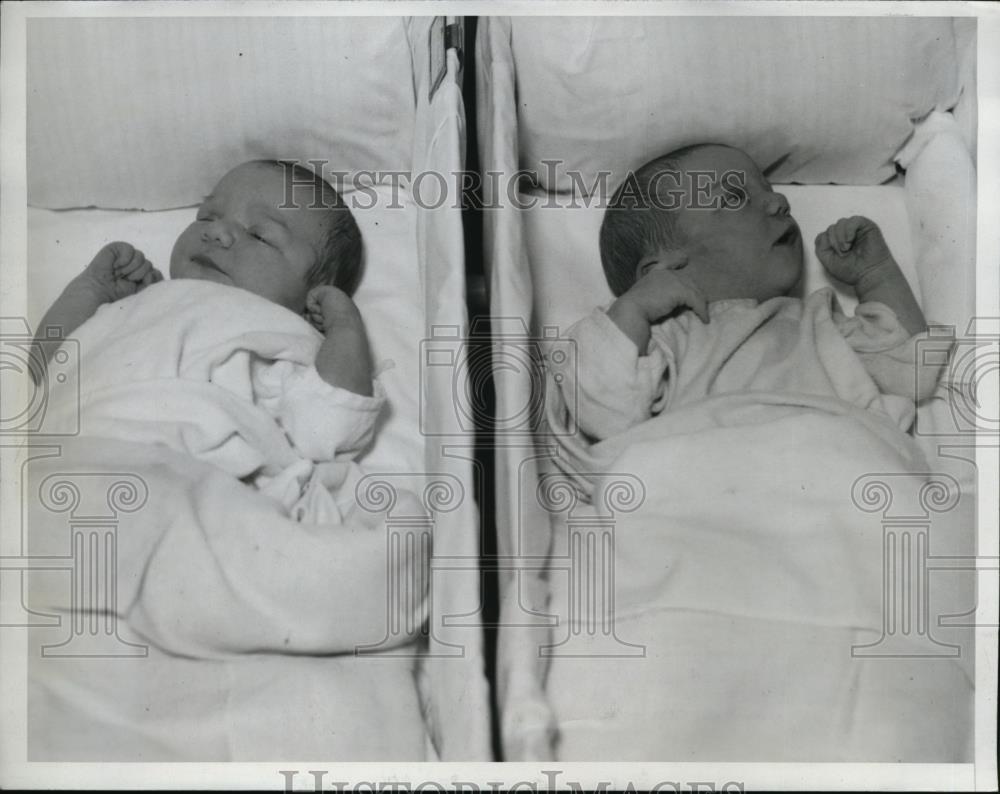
(217, 233)
(777, 204)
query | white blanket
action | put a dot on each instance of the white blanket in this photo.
(225, 376)
(749, 572)
(249, 620)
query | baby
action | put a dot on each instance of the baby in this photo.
(227, 425)
(749, 418)
(727, 249)
(282, 233)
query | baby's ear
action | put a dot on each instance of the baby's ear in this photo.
(661, 260)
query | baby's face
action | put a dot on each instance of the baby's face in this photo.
(748, 249)
(243, 237)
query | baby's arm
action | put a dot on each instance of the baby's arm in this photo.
(651, 299)
(854, 251)
(618, 376)
(344, 359)
(329, 410)
(118, 270)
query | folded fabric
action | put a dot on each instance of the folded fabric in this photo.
(225, 376)
(203, 623)
(230, 622)
(748, 568)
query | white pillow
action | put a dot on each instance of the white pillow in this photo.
(146, 113)
(821, 99)
(568, 280)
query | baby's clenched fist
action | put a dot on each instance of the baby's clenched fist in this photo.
(120, 270)
(328, 307)
(851, 248)
(663, 290)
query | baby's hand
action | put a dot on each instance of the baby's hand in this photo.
(661, 291)
(119, 270)
(852, 247)
(328, 307)
(343, 359)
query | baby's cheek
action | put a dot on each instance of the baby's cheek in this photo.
(176, 268)
(180, 252)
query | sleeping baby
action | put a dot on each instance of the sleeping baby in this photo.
(702, 254)
(273, 250)
(220, 427)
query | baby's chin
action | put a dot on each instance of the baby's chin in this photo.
(791, 261)
(208, 275)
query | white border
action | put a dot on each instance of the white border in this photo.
(16, 773)
(988, 458)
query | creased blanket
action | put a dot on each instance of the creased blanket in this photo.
(748, 568)
(182, 364)
(197, 619)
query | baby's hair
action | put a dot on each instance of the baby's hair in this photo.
(637, 223)
(341, 257)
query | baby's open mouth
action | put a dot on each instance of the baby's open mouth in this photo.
(789, 237)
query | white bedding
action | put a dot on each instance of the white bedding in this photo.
(601, 93)
(236, 628)
(218, 580)
(748, 571)
(203, 93)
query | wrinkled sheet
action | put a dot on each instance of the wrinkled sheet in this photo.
(206, 623)
(180, 364)
(248, 621)
(748, 563)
